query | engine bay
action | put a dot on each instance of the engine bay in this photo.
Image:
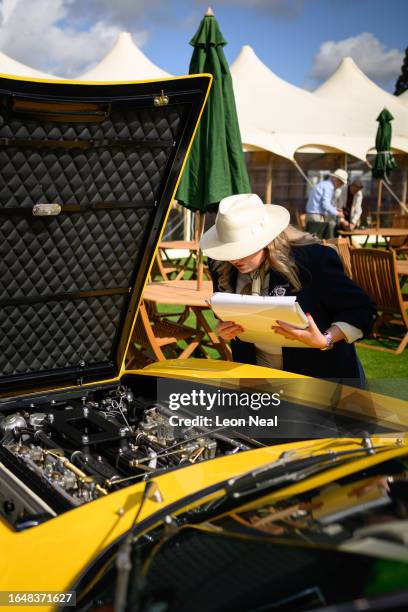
(57, 455)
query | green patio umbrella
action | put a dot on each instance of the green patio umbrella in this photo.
(216, 165)
(384, 161)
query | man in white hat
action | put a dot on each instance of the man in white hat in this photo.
(320, 208)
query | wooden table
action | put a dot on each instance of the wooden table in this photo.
(185, 293)
(190, 245)
(386, 232)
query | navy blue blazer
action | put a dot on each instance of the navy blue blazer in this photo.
(329, 295)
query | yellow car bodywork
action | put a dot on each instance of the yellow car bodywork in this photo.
(51, 556)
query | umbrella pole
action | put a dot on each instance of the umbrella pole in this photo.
(405, 186)
(199, 232)
(379, 199)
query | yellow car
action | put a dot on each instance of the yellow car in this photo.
(315, 526)
(92, 455)
(63, 552)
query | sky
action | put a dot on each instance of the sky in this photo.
(300, 40)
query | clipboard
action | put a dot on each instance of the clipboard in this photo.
(256, 314)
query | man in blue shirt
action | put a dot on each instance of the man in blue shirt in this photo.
(319, 208)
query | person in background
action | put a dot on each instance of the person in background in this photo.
(320, 210)
(350, 201)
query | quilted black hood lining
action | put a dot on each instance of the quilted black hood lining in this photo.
(69, 284)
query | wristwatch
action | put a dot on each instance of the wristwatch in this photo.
(329, 341)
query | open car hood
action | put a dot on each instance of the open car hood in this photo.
(87, 175)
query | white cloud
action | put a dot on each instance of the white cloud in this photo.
(380, 64)
(128, 13)
(53, 35)
(281, 8)
(6, 9)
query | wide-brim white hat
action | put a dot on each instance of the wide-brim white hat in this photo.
(244, 225)
(341, 175)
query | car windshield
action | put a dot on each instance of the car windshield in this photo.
(364, 511)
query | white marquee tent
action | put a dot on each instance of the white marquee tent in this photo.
(12, 67)
(356, 96)
(124, 62)
(281, 118)
(404, 98)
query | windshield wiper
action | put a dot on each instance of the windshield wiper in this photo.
(273, 476)
(285, 472)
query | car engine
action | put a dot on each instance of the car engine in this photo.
(66, 453)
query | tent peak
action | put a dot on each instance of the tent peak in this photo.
(124, 62)
(348, 63)
(349, 74)
(247, 65)
(247, 49)
(347, 68)
(125, 38)
(356, 95)
(348, 60)
(12, 67)
(210, 12)
(247, 54)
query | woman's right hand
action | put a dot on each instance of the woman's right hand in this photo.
(228, 329)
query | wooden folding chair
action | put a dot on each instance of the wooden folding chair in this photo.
(399, 243)
(154, 334)
(376, 272)
(136, 358)
(162, 268)
(343, 248)
(175, 268)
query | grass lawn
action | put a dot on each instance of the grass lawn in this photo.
(383, 365)
(386, 372)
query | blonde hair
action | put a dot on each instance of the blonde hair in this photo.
(280, 256)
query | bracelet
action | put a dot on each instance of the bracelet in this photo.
(329, 341)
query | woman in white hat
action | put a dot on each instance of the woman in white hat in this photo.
(252, 249)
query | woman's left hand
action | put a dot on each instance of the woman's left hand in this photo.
(311, 336)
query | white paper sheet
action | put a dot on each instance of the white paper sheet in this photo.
(256, 314)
